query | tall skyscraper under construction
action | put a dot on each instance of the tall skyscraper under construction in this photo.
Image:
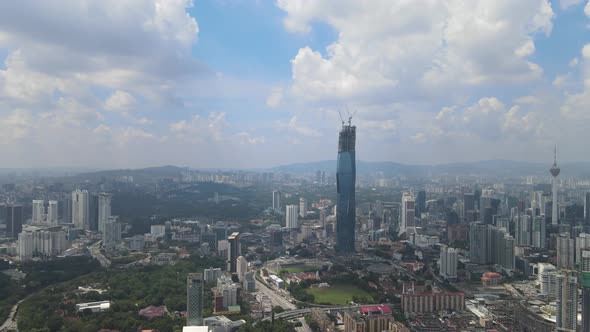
(345, 183)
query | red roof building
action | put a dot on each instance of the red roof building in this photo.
(153, 312)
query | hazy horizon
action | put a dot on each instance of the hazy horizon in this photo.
(258, 84)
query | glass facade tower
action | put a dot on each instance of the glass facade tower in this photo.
(194, 299)
(345, 183)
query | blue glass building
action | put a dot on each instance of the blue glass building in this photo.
(345, 183)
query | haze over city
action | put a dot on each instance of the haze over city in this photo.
(294, 166)
(246, 84)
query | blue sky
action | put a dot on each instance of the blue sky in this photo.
(236, 83)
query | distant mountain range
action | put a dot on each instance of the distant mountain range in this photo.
(386, 168)
(487, 167)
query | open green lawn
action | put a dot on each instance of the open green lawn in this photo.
(337, 294)
(299, 268)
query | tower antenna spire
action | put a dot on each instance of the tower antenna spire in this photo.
(555, 155)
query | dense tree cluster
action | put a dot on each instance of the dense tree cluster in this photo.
(128, 290)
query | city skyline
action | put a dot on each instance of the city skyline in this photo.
(170, 77)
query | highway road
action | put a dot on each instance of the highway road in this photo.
(275, 298)
(10, 323)
(95, 252)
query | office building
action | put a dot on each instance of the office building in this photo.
(565, 251)
(587, 208)
(567, 301)
(345, 186)
(302, 207)
(421, 203)
(194, 299)
(241, 267)
(234, 251)
(111, 234)
(291, 216)
(524, 230)
(66, 210)
(539, 229)
(220, 230)
(38, 215)
(276, 201)
(104, 209)
(554, 172)
(478, 243)
(448, 262)
(52, 215)
(11, 215)
(407, 215)
(80, 209)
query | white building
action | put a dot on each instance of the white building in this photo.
(407, 215)
(292, 217)
(547, 277)
(158, 230)
(52, 213)
(567, 301)
(242, 267)
(42, 241)
(25, 246)
(448, 262)
(80, 209)
(38, 212)
(111, 234)
(302, 207)
(104, 209)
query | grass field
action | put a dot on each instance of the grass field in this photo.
(337, 294)
(299, 268)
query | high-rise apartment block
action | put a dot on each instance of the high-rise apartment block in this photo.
(80, 209)
(490, 245)
(52, 213)
(111, 234)
(565, 251)
(448, 262)
(276, 201)
(38, 215)
(104, 209)
(291, 216)
(567, 301)
(194, 299)
(345, 187)
(302, 207)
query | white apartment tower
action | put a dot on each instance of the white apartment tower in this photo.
(38, 211)
(80, 209)
(448, 262)
(567, 301)
(292, 216)
(104, 209)
(111, 234)
(302, 207)
(52, 213)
